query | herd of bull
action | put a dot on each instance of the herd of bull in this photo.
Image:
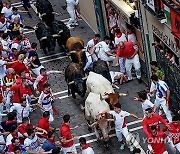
(97, 82)
(49, 30)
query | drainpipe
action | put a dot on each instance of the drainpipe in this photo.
(99, 16)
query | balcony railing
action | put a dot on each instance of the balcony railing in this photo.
(172, 5)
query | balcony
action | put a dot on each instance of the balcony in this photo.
(173, 4)
(155, 9)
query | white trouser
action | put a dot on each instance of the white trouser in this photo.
(90, 60)
(125, 133)
(162, 102)
(153, 87)
(133, 62)
(37, 70)
(178, 146)
(122, 65)
(69, 149)
(51, 117)
(8, 101)
(72, 15)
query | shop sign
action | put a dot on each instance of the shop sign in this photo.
(150, 3)
(165, 39)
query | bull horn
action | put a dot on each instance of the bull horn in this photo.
(72, 82)
(55, 13)
(72, 52)
(42, 15)
(110, 120)
(115, 86)
(35, 27)
(123, 94)
(43, 38)
(103, 97)
(84, 78)
(93, 124)
(61, 31)
(82, 107)
(83, 50)
(55, 35)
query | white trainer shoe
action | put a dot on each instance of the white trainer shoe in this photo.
(122, 146)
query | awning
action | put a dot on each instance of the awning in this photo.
(124, 9)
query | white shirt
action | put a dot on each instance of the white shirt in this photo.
(2, 68)
(113, 74)
(101, 49)
(5, 46)
(131, 37)
(72, 3)
(3, 26)
(119, 119)
(120, 39)
(90, 44)
(147, 104)
(112, 21)
(32, 144)
(21, 111)
(161, 88)
(7, 12)
(10, 137)
(45, 100)
(89, 150)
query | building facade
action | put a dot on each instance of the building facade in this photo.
(156, 24)
(161, 24)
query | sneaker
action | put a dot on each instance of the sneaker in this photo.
(76, 24)
(122, 146)
(131, 148)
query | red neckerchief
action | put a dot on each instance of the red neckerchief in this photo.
(2, 20)
(85, 146)
(118, 35)
(95, 41)
(14, 134)
(10, 76)
(51, 141)
(16, 41)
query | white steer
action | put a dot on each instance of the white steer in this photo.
(94, 106)
(96, 83)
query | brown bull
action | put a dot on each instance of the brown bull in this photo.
(112, 98)
(75, 46)
(74, 40)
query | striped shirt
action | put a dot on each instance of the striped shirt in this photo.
(161, 88)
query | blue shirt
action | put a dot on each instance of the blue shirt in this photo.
(161, 88)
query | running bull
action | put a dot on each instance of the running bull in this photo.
(45, 9)
(46, 39)
(60, 31)
(101, 67)
(94, 106)
(75, 46)
(76, 79)
(96, 83)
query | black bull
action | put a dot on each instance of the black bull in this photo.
(101, 67)
(48, 34)
(76, 79)
(44, 6)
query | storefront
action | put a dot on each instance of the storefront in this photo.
(163, 41)
(119, 14)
